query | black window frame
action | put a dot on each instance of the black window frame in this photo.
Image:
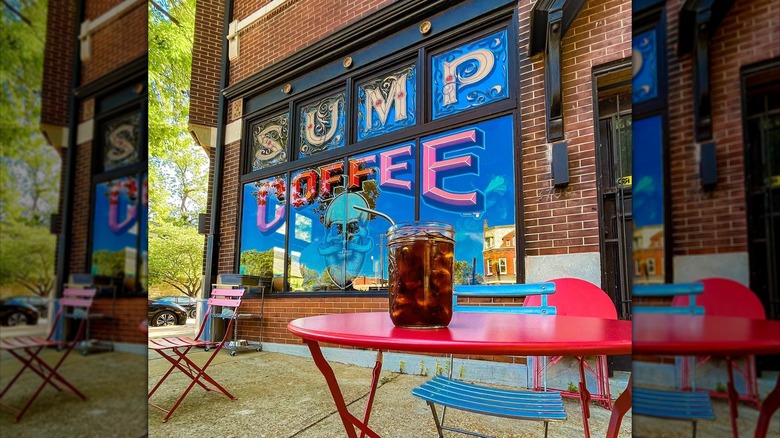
(420, 54)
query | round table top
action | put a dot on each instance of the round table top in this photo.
(704, 335)
(473, 333)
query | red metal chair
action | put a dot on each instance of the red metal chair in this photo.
(75, 304)
(724, 297)
(576, 297)
(175, 350)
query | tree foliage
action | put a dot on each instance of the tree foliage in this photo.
(178, 168)
(29, 168)
(176, 258)
(260, 263)
(29, 259)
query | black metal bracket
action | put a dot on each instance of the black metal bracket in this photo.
(698, 21)
(550, 19)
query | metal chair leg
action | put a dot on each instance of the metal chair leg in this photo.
(436, 420)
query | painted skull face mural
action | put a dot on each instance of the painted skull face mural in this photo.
(347, 240)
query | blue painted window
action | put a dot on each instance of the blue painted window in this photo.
(470, 76)
(263, 228)
(119, 218)
(645, 65)
(387, 103)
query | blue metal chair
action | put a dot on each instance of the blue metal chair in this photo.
(526, 405)
(672, 403)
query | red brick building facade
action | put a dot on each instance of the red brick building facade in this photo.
(262, 46)
(93, 112)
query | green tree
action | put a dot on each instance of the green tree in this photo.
(176, 258)
(30, 261)
(178, 168)
(29, 168)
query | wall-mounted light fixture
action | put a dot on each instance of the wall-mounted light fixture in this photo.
(708, 165)
(560, 164)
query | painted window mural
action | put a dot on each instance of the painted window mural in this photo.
(648, 246)
(386, 103)
(270, 141)
(472, 75)
(322, 125)
(321, 225)
(119, 221)
(645, 70)
(121, 141)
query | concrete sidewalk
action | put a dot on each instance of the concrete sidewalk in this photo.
(286, 396)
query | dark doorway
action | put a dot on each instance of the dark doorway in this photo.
(614, 185)
(762, 169)
(761, 95)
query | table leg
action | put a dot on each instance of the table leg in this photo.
(374, 381)
(619, 409)
(733, 399)
(348, 420)
(768, 407)
(584, 397)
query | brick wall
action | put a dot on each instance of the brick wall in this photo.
(291, 29)
(206, 59)
(566, 221)
(121, 40)
(58, 62)
(128, 315)
(715, 222)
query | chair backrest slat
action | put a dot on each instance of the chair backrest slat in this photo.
(504, 291)
(224, 302)
(669, 290)
(227, 292)
(76, 302)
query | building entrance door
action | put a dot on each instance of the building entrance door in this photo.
(614, 185)
(762, 169)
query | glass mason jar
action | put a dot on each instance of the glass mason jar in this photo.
(420, 260)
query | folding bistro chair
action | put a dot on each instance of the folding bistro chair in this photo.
(75, 304)
(690, 405)
(519, 404)
(724, 297)
(576, 297)
(174, 350)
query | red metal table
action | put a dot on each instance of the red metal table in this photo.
(468, 333)
(711, 335)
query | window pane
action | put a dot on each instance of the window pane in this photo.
(143, 271)
(644, 81)
(384, 181)
(115, 230)
(470, 76)
(269, 141)
(468, 181)
(322, 125)
(121, 141)
(386, 103)
(262, 228)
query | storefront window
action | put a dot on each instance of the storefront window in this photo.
(270, 141)
(322, 224)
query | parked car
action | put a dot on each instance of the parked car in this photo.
(40, 303)
(13, 314)
(190, 304)
(163, 313)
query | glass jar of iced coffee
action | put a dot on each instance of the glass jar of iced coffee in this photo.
(420, 273)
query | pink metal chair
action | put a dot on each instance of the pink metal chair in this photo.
(75, 304)
(576, 297)
(175, 350)
(724, 297)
